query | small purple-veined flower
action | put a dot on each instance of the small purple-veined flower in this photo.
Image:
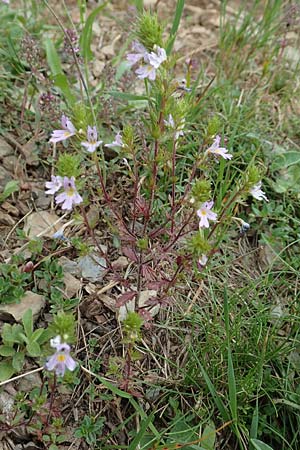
(61, 360)
(67, 131)
(146, 71)
(139, 53)
(257, 193)
(54, 185)
(118, 142)
(205, 214)
(157, 57)
(91, 144)
(70, 196)
(215, 149)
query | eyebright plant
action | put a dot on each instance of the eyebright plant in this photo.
(173, 222)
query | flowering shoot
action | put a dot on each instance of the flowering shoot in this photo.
(152, 60)
(91, 144)
(118, 142)
(205, 214)
(61, 360)
(257, 193)
(54, 185)
(215, 149)
(67, 131)
(70, 196)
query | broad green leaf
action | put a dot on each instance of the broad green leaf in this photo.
(285, 160)
(33, 349)
(10, 187)
(86, 34)
(6, 370)
(27, 320)
(18, 361)
(7, 350)
(11, 333)
(259, 445)
(37, 334)
(208, 437)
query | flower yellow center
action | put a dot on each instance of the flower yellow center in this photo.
(61, 358)
(70, 192)
(67, 133)
(203, 212)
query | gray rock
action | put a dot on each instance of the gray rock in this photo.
(5, 148)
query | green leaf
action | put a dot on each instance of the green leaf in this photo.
(59, 77)
(10, 187)
(259, 445)
(33, 349)
(11, 333)
(86, 34)
(217, 399)
(37, 334)
(27, 320)
(208, 437)
(143, 429)
(18, 361)
(175, 25)
(6, 370)
(285, 160)
(127, 96)
(6, 350)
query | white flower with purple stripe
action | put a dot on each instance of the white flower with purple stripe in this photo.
(205, 214)
(257, 193)
(67, 131)
(157, 57)
(70, 196)
(139, 52)
(54, 185)
(118, 142)
(61, 360)
(91, 144)
(215, 149)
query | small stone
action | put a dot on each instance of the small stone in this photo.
(5, 148)
(108, 301)
(6, 405)
(42, 200)
(39, 224)
(6, 219)
(72, 285)
(92, 267)
(32, 380)
(10, 209)
(98, 67)
(5, 177)
(10, 163)
(120, 263)
(15, 311)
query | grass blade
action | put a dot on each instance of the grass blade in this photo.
(175, 25)
(144, 425)
(86, 35)
(219, 404)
